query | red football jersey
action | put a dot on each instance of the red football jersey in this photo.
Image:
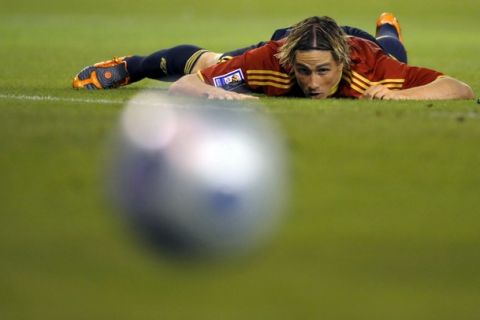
(369, 65)
(258, 70)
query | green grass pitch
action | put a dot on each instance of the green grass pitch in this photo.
(385, 214)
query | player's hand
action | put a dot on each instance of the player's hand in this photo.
(192, 85)
(380, 92)
(229, 95)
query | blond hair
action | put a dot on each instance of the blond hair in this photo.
(315, 33)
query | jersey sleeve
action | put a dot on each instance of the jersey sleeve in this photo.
(390, 71)
(256, 70)
(227, 74)
(419, 76)
(371, 66)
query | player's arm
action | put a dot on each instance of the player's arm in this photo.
(419, 83)
(442, 88)
(192, 85)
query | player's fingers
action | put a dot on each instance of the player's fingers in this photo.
(212, 96)
(246, 97)
(216, 97)
(367, 94)
(383, 94)
(394, 95)
(230, 96)
(241, 96)
(375, 92)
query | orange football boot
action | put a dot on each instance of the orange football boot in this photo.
(103, 75)
(389, 18)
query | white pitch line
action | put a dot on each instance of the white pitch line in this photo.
(50, 98)
(435, 114)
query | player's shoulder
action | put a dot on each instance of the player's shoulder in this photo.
(265, 55)
(276, 44)
(271, 47)
(364, 51)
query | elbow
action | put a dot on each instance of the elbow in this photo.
(461, 90)
(467, 92)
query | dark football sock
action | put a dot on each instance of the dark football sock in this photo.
(167, 64)
(387, 30)
(389, 40)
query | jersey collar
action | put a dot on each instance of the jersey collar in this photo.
(335, 87)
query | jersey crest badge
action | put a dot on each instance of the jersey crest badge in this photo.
(230, 81)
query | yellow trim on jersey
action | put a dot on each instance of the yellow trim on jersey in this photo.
(225, 58)
(191, 61)
(359, 83)
(366, 86)
(333, 90)
(275, 73)
(359, 90)
(352, 85)
(200, 75)
(393, 85)
(335, 87)
(368, 82)
(269, 78)
(270, 83)
(281, 80)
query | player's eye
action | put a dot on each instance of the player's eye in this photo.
(323, 70)
(303, 71)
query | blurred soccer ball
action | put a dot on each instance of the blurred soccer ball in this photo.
(198, 177)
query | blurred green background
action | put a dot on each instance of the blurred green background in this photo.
(384, 220)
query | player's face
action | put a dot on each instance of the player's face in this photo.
(317, 72)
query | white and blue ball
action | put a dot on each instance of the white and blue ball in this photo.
(198, 177)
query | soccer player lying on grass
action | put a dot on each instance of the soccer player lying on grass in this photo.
(316, 59)
(172, 63)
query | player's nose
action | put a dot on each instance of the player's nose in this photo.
(313, 82)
